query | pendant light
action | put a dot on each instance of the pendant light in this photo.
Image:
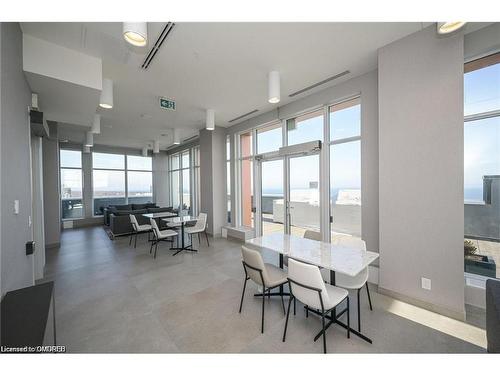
(449, 27)
(210, 120)
(177, 138)
(106, 100)
(274, 87)
(156, 147)
(86, 149)
(89, 139)
(136, 33)
(96, 125)
(144, 151)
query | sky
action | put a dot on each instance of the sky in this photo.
(481, 137)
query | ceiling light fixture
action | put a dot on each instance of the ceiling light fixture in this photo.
(156, 147)
(136, 33)
(449, 27)
(106, 100)
(89, 139)
(274, 87)
(177, 138)
(86, 149)
(210, 120)
(144, 151)
(96, 125)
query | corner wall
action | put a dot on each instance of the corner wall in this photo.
(16, 266)
(421, 209)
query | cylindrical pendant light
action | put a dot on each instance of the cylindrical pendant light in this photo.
(210, 120)
(449, 27)
(106, 100)
(89, 139)
(136, 33)
(86, 149)
(274, 87)
(177, 137)
(156, 147)
(96, 125)
(144, 151)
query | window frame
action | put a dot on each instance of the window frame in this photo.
(82, 183)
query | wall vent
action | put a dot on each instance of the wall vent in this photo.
(245, 115)
(319, 83)
(156, 47)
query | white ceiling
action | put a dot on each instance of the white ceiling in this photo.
(223, 66)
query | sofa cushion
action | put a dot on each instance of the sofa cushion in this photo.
(143, 206)
(157, 209)
(122, 207)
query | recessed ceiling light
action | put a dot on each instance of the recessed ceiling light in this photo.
(136, 33)
(449, 27)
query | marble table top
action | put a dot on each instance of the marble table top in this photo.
(181, 219)
(326, 255)
(156, 215)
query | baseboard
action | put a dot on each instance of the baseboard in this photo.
(52, 245)
(442, 310)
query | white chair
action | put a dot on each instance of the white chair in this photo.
(353, 282)
(160, 235)
(199, 227)
(264, 274)
(144, 228)
(307, 286)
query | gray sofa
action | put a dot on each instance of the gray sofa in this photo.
(493, 315)
(119, 219)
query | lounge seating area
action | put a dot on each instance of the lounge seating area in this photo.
(252, 188)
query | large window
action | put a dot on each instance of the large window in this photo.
(120, 179)
(345, 168)
(228, 178)
(184, 176)
(306, 128)
(71, 184)
(139, 179)
(482, 166)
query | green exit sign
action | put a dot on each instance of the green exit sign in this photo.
(168, 104)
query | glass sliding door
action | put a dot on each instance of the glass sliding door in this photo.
(304, 209)
(272, 196)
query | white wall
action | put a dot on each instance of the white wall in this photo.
(421, 169)
(17, 267)
(51, 196)
(160, 180)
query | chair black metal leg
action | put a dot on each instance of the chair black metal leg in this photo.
(324, 330)
(359, 314)
(369, 298)
(287, 315)
(348, 320)
(206, 236)
(156, 248)
(283, 304)
(199, 241)
(243, 294)
(263, 300)
(307, 312)
(294, 306)
(135, 243)
(130, 240)
(151, 247)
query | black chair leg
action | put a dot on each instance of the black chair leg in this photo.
(130, 240)
(359, 314)
(263, 300)
(243, 294)
(206, 236)
(369, 298)
(294, 306)
(287, 315)
(348, 320)
(307, 312)
(156, 248)
(324, 331)
(151, 247)
(135, 243)
(283, 304)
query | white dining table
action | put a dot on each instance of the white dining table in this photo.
(330, 256)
